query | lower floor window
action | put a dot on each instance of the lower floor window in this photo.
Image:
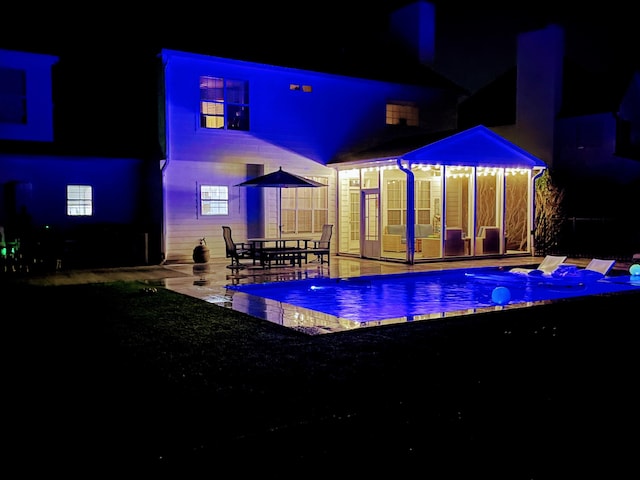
(305, 209)
(79, 200)
(214, 200)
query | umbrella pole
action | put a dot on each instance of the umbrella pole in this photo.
(280, 211)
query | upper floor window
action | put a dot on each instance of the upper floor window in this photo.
(13, 96)
(300, 88)
(224, 103)
(79, 200)
(402, 113)
(214, 200)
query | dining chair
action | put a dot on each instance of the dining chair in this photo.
(322, 247)
(235, 251)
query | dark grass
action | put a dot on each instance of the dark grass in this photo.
(104, 379)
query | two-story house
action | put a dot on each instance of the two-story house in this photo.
(389, 152)
(56, 202)
(224, 121)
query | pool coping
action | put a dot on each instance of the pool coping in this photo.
(313, 322)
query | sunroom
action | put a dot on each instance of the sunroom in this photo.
(472, 195)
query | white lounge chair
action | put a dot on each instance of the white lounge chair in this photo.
(569, 273)
(594, 271)
(600, 266)
(546, 267)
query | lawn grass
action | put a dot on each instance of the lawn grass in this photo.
(108, 378)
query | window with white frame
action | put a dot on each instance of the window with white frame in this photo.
(79, 200)
(214, 200)
(396, 202)
(402, 113)
(224, 103)
(305, 209)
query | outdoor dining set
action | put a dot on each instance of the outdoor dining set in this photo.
(277, 252)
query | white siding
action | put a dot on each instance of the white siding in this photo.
(298, 131)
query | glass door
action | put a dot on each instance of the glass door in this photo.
(370, 223)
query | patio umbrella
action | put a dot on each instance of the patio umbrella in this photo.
(280, 179)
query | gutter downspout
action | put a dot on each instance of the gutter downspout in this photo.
(411, 213)
(533, 210)
(164, 163)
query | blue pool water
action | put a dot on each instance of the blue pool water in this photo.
(415, 296)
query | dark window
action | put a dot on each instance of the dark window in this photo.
(13, 96)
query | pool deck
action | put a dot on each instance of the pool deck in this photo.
(201, 280)
(190, 278)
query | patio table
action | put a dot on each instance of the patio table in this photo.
(281, 250)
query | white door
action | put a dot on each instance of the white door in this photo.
(370, 223)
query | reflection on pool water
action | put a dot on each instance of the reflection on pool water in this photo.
(329, 305)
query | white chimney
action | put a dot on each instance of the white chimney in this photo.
(539, 89)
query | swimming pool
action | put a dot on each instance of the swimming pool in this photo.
(328, 305)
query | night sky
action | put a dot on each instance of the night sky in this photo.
(474, 43)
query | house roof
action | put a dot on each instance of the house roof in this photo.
(477, 146)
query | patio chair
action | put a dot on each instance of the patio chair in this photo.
(235, 251)
(321, 248)
(454, 242)
(546, 267)
(488, 240)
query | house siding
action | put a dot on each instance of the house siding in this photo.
(298, 131)
(184, 225)
(39, 99)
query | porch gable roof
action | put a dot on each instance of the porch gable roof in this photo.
(477, 146)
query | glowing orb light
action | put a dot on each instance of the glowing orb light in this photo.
(634, 269)
(501, 295)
